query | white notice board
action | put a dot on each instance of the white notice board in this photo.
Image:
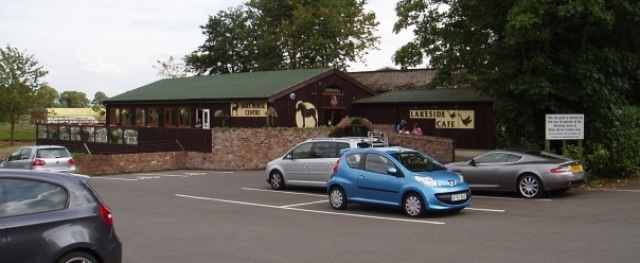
(564, 127)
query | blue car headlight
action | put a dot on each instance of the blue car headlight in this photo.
(426, 180)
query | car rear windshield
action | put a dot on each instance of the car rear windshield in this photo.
(418, 162)
(53, 153)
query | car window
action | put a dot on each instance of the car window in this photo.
(302, 151)
(492, 158)
(353, 160)
(52, 153)
(15, 155)
(377, 163)
(513, 158)
(418, 162)
(20, 197)
(25, 154)
(325, 150)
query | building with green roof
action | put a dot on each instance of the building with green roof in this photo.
(292, 98)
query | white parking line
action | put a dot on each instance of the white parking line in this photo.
(513, 198)
(296, 193)
(311, 211)
(307, 203)
(281, 192)
(614, 190)
(485, 210)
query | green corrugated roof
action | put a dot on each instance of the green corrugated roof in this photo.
(249, 85)
(441, 95)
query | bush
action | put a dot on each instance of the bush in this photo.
(616, 153)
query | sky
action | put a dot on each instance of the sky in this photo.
(112, 45)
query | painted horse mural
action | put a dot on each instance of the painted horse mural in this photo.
(305, 114)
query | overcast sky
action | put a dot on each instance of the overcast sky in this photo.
(112, 45)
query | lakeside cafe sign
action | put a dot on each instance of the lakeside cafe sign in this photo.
(447, 119)
(564, 127)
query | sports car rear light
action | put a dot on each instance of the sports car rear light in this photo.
(72, 161)
(38, 162)
(336, 166)
(561, 169)
(105, 213)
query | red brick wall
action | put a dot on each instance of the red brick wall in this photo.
(244, 149)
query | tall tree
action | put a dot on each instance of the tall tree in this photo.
(171, 68)
(98, 98)
(73, 99)
(19, 80)
(532, 57)
(47, 97)
(295, 34)
(229, 47)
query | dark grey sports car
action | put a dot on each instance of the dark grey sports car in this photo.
(529, 173)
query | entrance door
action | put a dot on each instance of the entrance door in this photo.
(332, 117)
(203, 118)
(206, 117)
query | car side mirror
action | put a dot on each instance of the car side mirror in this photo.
(288, 156)
(472, 162)
(392, 170)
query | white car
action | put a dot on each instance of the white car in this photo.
(53, 158)
(310, 163)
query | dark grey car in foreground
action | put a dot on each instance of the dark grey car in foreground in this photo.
(54, 217)
(529, 173)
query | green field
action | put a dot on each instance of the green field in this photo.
(25, 134)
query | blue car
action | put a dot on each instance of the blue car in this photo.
(396, 177)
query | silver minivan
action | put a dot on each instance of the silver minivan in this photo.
(311, 162)
(52, 158)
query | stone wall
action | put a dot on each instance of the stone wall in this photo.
(244, 149)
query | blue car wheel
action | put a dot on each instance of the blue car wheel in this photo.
(413, 205)
(337, 198)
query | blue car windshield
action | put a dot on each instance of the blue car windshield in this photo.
(418, 162)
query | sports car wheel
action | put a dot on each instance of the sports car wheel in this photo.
(77, 257)
(276, 180)
(414, 206)
(529, 186)
(337, 198)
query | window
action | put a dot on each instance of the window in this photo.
(52, 153)
(141, 117)
(185, 117)
(303, 151)
(377, 163)
(354, 160)
(20, 197)
(493, 158)
(126, 117)
(154, 117)
(114, 116)
(171, 117)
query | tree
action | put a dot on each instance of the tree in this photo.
(73, 99)
(532, 57)
(98, 98)
(19, 80)
(171, 68)
(229, 47)
(273, 35)
(47, 97)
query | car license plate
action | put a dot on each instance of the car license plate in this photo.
(458, 197)
(576, 168)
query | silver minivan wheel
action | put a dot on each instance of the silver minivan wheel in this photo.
(276, 180)
(337, 198)
(413, 205)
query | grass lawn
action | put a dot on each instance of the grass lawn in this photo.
(25, 134)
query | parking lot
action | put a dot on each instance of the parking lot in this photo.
(208, 216)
